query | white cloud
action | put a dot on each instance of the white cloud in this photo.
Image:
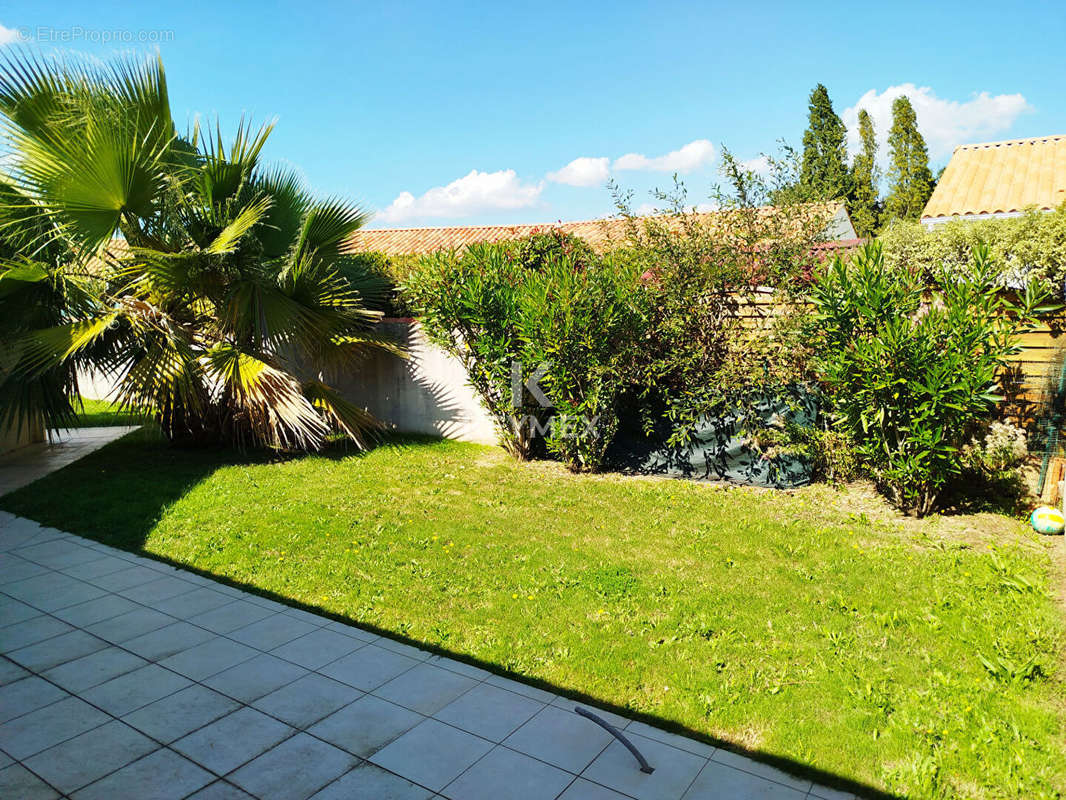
(474, 192)
(583, 171)
(691, 156)
(8, 35)
(760, 165)
(944, 123)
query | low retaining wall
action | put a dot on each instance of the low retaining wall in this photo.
(425, 393)
(13, 437)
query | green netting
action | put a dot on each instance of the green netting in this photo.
(721, 452)
(1047, 439)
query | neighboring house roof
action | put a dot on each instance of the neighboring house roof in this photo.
(599, 233)
(998, 178)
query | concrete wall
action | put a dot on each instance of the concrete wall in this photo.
(12, 438)
(93, 386)
(426, 393)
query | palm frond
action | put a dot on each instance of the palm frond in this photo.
(250, 216)
(320, 286)
(346, 354)
(259, 313)
(278, 230)
(224, 171)
(33, 91)
(26, 229)
(142, 85)
(149, 272)
(87, 183)
(42, 350)
(17, 273)
(56, 98)
(328, 227)
(372, 285)
(276, 409)
(357, 423)
(162, 374)
(44, 399)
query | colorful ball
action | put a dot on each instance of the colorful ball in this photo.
(1047, 520)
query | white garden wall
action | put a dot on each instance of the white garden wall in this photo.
(425, 393)
(14, 436)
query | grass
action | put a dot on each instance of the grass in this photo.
(922, 658)
(100, 413)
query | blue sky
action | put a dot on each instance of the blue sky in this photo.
(470, 113)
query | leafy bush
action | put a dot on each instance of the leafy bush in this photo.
(545, 307)
(912, 372)
(1003, 447)
(376, 277)
(711, 348)
(831, 453)
(991, 474)
(661, 329)
(1032, 246)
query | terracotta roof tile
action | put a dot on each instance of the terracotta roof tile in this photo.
(1001, 177)
(601, 234)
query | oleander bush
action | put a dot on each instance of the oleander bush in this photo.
(652, 331)
(538, 315)
(912, 372)
(710, 350)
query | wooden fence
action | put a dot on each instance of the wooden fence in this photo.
(1029, 384)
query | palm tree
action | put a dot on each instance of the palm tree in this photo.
(204, 283)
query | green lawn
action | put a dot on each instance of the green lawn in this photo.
(95, 413)
(922, 658)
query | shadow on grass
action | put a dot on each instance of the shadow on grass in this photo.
(154, 476)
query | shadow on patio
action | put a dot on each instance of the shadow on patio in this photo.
(124, 513)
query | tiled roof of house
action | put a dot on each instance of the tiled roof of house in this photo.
(601, 234)
(1001, 177)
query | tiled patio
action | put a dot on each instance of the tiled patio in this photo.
(23, 466)
(124, 677)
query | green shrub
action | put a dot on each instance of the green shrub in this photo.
(991, 474)
(654, 330)
(376, 277)
(1030, 246)
(831, 452)
(912, 373)
(547, 308)
(1002, 448)
(702, 273)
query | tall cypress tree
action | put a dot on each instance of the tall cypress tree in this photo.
(910, 181)
(865, 176)
(823, 169)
